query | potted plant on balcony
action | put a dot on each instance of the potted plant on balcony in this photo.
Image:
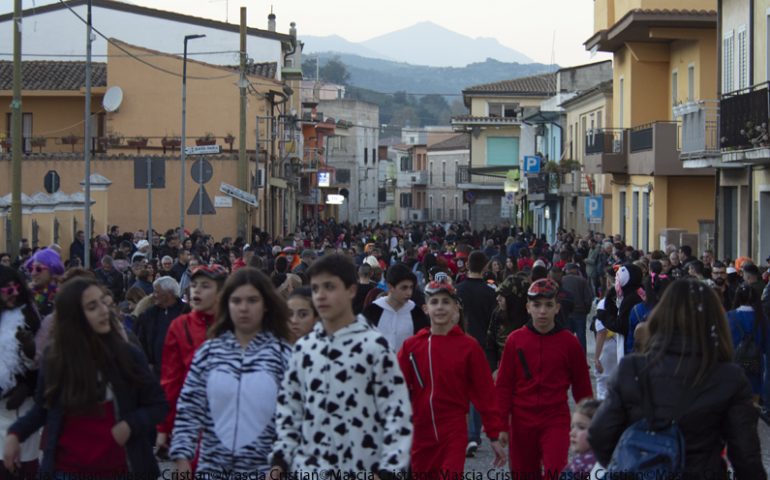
(5, 144)
(230, 139)
(172, 142)
(757, 135)
(137, 142)
(113, 139)
(70, 140)
(207, 139)
(38, 142)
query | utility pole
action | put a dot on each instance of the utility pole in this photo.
(16, 146)
(243, 164)
(87, 144)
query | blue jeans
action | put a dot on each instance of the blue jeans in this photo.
(577, 324)
(474, 425)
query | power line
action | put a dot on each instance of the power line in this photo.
(119, 47)
(79, 55)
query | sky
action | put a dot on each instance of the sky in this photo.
(524, 25)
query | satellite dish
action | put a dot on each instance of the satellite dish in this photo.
(112, 99)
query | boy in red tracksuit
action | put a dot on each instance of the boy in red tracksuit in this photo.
(540, 362)
(185, 334)
(445, 370)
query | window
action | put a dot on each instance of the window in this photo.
(406, 200)
(635, 219)
(743, 59)
(430, 172)
(622, 211)
(26, 130)
(343, 175)
(691, 83)
(457, 206)
(502, 151)
(443, 173)
(674, 87)
(599, 115)
(366, 155)
(443, 208)
(503, 110)
(406, 163)
(728, 59)
(374, 155)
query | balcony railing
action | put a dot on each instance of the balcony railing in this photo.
(741, 110)
(463, 174)
(641, 138)
(606, 151)
(700, 129)
(607, 140)
(419, 177)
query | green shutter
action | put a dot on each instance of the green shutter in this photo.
(502, 151)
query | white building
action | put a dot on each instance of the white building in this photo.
(353, 156)
(445, 160)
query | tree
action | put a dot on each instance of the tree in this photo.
(335, 72)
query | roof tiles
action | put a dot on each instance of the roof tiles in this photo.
(53, 75)
(534, 85)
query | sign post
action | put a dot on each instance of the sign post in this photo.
(594, 208)
(238, 194)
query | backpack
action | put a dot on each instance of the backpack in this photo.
(747, 353)
(650, 446)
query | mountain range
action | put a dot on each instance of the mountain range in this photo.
(389, 77)
(424, 43)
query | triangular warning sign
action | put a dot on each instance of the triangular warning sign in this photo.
(208, 207)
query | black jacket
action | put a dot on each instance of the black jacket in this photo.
(151, 328)
(142, 404)
(722, 412)
(479, 301)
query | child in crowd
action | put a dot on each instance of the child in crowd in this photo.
(343, 406)
(229, 397)
(583, 459)
(185, 334)
(302, 314)
(541, 363)
(446, 370)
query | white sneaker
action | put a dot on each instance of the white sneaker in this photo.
(470, 450)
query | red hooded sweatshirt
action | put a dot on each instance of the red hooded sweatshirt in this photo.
(185, 334)
(537, 370)
(453, 372)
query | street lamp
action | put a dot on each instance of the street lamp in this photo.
(183, 173)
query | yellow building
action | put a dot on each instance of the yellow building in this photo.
(147, 124)
(662, 59)
(497, 112)
(587, 112)
(742, 151)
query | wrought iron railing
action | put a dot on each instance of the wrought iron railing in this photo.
(604, 140)
(742, 111)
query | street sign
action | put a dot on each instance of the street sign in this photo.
(201, 171)
(532, 165)
(511, 183)
(203, 150)
(594, 207)
(324, 179)
(238, 194)
(51, 182)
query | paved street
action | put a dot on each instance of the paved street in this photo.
(482, 463)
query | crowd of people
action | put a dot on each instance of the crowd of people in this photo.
(388, 349)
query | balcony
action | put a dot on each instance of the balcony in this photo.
(312, 158)
(743, 121)
(479, 178)
(654, 150)
(419, 178)
(606, 151)
(700, 133)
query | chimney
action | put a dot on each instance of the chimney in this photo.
(271, 21)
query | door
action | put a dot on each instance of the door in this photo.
(764, 225)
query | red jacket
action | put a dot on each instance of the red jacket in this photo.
(537, 370)
(454, 372)
(186, 333)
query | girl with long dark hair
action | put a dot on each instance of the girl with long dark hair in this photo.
(229, 395)
(95, 395)
(689, 350)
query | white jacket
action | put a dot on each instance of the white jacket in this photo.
(343, 405)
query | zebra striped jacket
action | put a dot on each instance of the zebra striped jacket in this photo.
(229, 399)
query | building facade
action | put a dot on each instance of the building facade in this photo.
(662, 58)
(352, 156)
(445, 159)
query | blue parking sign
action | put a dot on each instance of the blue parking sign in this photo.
(594, 208)
(531, 165)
